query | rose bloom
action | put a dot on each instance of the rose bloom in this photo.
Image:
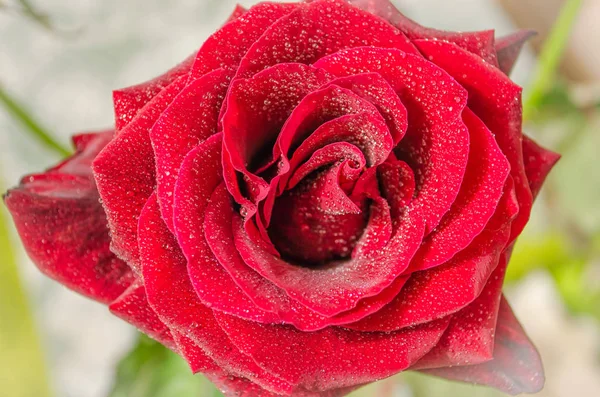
(324, 195)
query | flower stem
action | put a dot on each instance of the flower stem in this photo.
(550, 56)
(31, 126)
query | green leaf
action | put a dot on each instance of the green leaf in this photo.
(151, 370)
(550, 57)
(22, 363)
(18, 112)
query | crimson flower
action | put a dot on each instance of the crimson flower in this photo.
(324, 195)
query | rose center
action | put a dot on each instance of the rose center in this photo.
(316, 222)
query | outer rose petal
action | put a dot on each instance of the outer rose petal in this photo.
(63, 225)
(509, 48)
(476, 202)
(172, 296)
(478, 43)
(323, 34)
(496, 100)
(227, 46)
(336, 357)
(196, 358)
(516, 366)
(129, 101)
(133, 307)
(470, 337)
(538, 163)
(126, 175)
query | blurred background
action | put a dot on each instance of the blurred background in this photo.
(59, 62)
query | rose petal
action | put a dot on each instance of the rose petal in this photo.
(340, 285)
(316, 221)
(374, 88)
(129, 101)
(189, 120)
(437, 142)
(63, 226)
(446, 289)
(219, 217)
(132, 306)
(538, 163)
(237, 12)
(479, 43)
(476, 202)
(200, 174)
(172, 296)
(469, 338)
(256, 110)
(196, 358)
(336, 357)
(509, 48)
(126, 175)
(516, 367)
(316, 30)
(496, 100)
(227, 46)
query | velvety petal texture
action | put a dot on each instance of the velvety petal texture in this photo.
(324, 195)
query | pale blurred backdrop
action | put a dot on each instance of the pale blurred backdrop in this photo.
(64, 77)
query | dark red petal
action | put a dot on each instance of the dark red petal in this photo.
(132, 306)
(316, 30)
(496, 100)
(516, 367)
(256, 110)
(199, 176)
(316, 221)
(443, 290)
(538, 163)
(126, 175)
(333, 357)
(476, 202)
(339, 286)
(129, 101)
(172, 296)
(509, 48)
(190, 119)
(219, 217)
(63, 227)
(437, 142)
(479, 43)
(227, 46)
(470, 337)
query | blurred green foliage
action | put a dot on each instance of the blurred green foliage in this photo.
(151, 370)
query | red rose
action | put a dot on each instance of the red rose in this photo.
(324, 195)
